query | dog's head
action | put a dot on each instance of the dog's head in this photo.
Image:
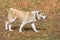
(40, 15)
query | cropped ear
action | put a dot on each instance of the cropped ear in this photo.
(39, 12)
(34, 12)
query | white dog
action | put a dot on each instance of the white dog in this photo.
(24, 17)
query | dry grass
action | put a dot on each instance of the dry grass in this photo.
(48, 30)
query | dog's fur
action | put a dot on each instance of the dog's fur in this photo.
(24, 17)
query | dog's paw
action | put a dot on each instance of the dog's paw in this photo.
(6, 29)
(11, 30)
(36, 31)
(20, 31)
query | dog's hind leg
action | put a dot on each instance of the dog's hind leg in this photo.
(6, 25)
(10, 25)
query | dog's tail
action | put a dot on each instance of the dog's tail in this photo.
(11, 8)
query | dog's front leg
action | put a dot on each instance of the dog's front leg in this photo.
(22, 25)
(34, 28)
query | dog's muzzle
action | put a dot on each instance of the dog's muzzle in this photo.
(44, 17)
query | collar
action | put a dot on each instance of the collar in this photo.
(36, 16)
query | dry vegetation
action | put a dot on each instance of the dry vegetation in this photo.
(48, 30)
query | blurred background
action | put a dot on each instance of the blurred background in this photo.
(48, 30)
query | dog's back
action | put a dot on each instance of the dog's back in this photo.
(14, 13)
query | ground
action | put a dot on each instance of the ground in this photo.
(48, 30)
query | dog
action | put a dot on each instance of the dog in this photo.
(24, 17)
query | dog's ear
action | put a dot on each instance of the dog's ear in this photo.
(34, 11)
(39, 12)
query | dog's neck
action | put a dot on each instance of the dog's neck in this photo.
(36, 16)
